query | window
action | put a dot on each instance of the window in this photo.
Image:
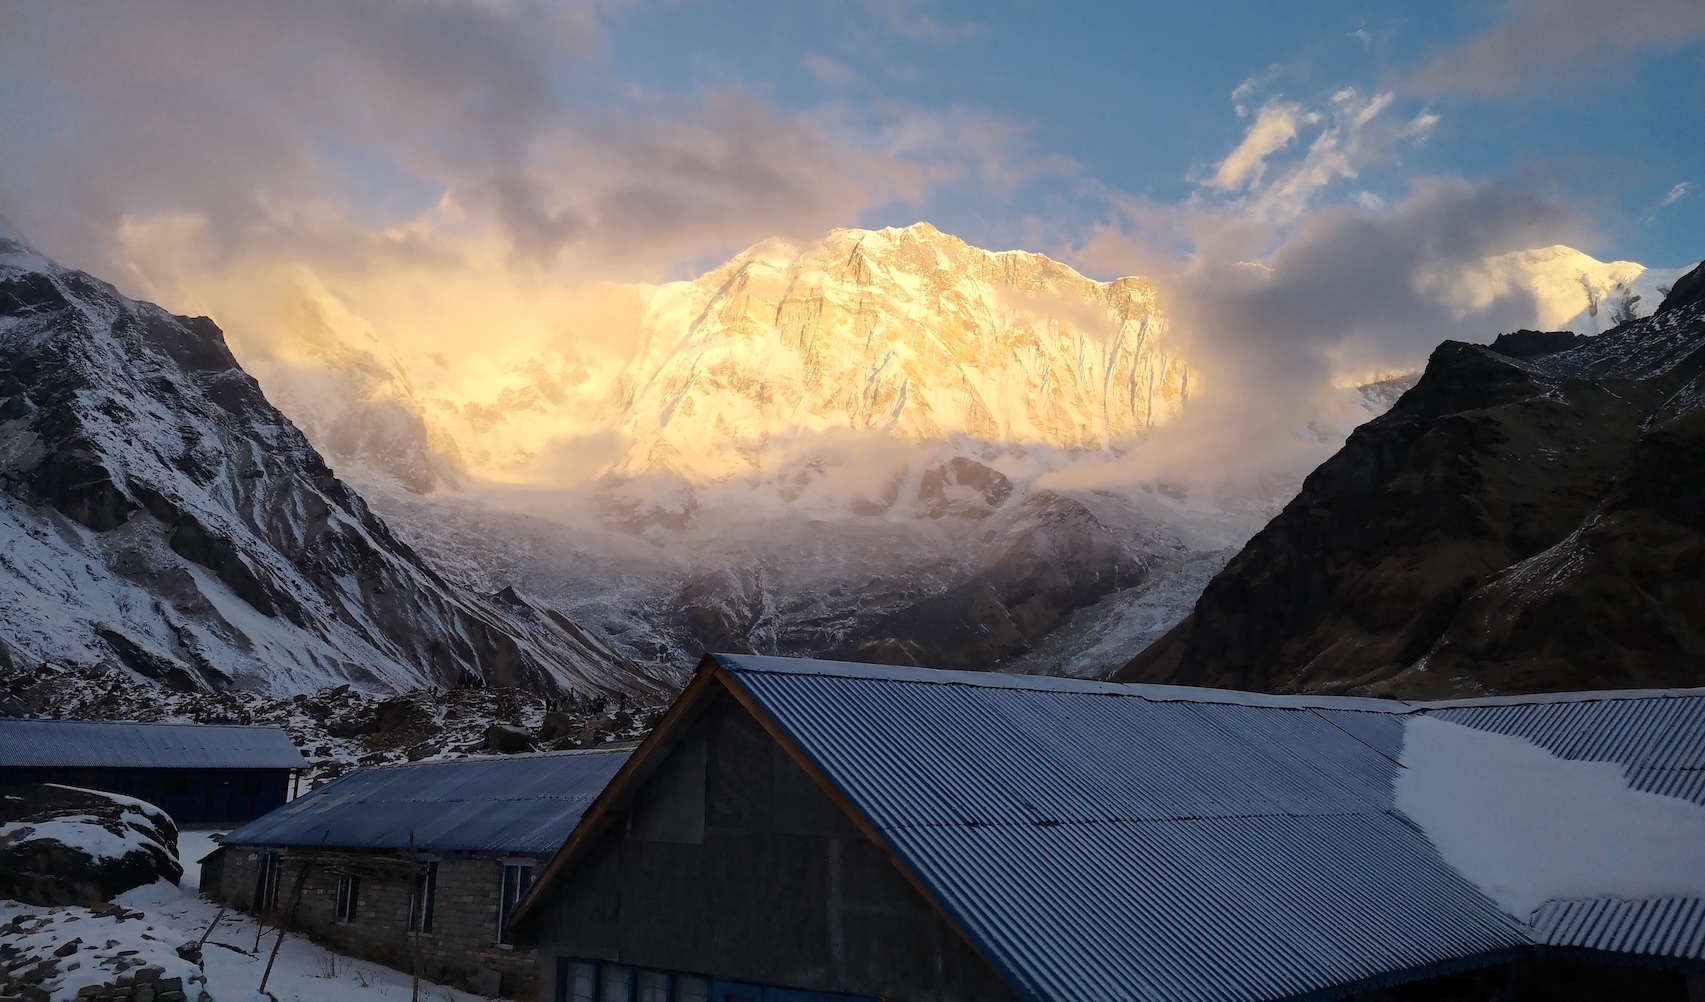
(348, 895)
(614, 983)
(596, 981)
(251, 782)
(177, 784)
(517, 878)
(652, 986)
(425, 893)
(266, 883)
(576, 981)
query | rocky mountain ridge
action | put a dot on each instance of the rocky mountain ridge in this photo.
(159, 515)
(1529, 517)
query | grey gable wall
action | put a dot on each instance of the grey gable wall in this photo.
(731, 861)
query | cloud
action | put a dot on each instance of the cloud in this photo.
(1355, 132)
(827, 70)
(1275, 125)
(1287, 287)
(1544, 44)
(1347, 295)
(320, 127)
(1679, 192)
(396, 208)
(902, 18)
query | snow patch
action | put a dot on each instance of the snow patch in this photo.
(1528, 827)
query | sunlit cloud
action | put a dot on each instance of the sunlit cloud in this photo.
(1276, 124)
(1679, 192)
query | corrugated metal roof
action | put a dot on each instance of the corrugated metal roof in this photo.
(520, 804)
(1663, 927)
(102, 744)
(1095, 842)
(1659, 738)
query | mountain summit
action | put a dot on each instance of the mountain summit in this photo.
(909, 332)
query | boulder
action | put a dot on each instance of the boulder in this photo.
(60, 845)
(508, 739)
(557, 724)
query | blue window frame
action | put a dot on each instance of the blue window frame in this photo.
(579, 980)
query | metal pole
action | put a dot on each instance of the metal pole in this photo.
(413, 899)
(295, 897)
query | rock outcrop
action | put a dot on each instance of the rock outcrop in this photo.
(64, 846)
(1529, 517)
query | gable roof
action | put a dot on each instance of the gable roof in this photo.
(1106, 841)
(520, 804)
(125, 744)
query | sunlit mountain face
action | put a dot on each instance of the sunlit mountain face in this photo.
(883, 444)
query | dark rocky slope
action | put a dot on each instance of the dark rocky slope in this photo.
(1529, 517)
(159, 515)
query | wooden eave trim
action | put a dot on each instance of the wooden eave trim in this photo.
(863, 824)
(598, 816)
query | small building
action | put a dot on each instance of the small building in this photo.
(200, 774)
(471, 832)
(805, 830)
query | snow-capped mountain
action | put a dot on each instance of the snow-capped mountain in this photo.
(158, 513)
(911, 333)
(864, 445)
(1572, 290)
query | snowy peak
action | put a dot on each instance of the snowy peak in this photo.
(157, 512)
(908, 332)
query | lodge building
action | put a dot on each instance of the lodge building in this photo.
(803, 831)
(423, 861)
(200, 774)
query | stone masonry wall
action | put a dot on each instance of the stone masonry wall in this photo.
(462, 946)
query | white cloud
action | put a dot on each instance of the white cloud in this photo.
(1679, 192)
(1275, 125)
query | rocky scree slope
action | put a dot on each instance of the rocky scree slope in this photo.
(157, 513)
(1530, 517)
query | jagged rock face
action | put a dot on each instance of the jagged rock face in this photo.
(908, 332)
(157, 512)
(1524, 519)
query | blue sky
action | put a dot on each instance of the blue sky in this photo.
(651, 138)
(1139, 98)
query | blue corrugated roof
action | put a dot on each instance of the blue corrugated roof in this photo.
(1104, 841)
(1658, 739)
(520, 804)
(104, 744)
(1661, 927)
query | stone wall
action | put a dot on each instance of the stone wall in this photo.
(462, 947)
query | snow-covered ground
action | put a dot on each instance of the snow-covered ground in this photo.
(152, 922)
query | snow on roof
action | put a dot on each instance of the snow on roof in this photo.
(104, 744)
(522, 804)
(1190, 844)
(1528, 827)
